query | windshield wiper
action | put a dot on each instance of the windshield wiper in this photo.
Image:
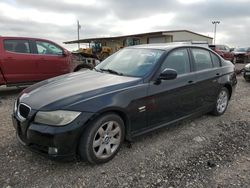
(97, 70)
(112, 71)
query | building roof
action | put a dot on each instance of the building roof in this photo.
(88, 40)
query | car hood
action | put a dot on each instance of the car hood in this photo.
(71, 88)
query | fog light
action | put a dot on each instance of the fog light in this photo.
(52, 151)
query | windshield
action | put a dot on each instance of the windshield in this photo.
(240, 50)
(133, 62)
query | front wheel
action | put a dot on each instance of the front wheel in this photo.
(221, 102)
(102, 139)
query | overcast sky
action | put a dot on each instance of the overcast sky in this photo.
(56, 19)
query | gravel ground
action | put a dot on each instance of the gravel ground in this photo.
(207, 151)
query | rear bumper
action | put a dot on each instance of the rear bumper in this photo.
(53, 142)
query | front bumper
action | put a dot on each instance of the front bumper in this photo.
(51, 141)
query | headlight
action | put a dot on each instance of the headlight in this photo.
(57, 118)
(247, 67)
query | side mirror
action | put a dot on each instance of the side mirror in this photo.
(168, 74)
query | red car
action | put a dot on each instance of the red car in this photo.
(224, 51)
(27, 60)
(242, 55)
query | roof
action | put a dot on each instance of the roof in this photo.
(88, 40)
(167, 46)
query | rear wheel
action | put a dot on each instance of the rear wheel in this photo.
(221, 102)
(102, 139)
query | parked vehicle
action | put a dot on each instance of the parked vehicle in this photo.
(27, 60)
(246, 72)
(224, 51)
(134, 91)
(241, 55)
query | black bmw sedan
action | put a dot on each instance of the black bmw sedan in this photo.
(134, 91)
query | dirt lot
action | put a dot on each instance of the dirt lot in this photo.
(204, 152)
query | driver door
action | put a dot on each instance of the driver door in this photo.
(173, 99)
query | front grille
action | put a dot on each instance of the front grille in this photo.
(24, 110)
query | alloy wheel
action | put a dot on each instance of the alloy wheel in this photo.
(107, 139)
(222, 101)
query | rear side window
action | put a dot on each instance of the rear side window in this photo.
(48, 48)
(177, 60)
(18, 46)
(216, 60)
(202, 59)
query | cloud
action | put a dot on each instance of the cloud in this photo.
(56, 20)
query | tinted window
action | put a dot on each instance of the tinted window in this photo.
(48, 48)
(177, 60)
(131, 61)
(202, 59)
(18, 46)
(216, 60)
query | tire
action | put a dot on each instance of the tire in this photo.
(102, 139)
(221, 102)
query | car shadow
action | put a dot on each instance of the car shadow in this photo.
(8, 91)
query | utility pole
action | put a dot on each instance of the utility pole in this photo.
(215, 24)
(78, 33)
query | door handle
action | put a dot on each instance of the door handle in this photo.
(218, 74)
(190, 81)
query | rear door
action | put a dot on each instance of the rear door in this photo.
(207, 68)
(50, 59)
(18, 63)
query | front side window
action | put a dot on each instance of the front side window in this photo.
(177, 60)
(18, 46)
(202, 59)
(133, 62)
(48, 48)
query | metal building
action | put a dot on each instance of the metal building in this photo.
(145, 38)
